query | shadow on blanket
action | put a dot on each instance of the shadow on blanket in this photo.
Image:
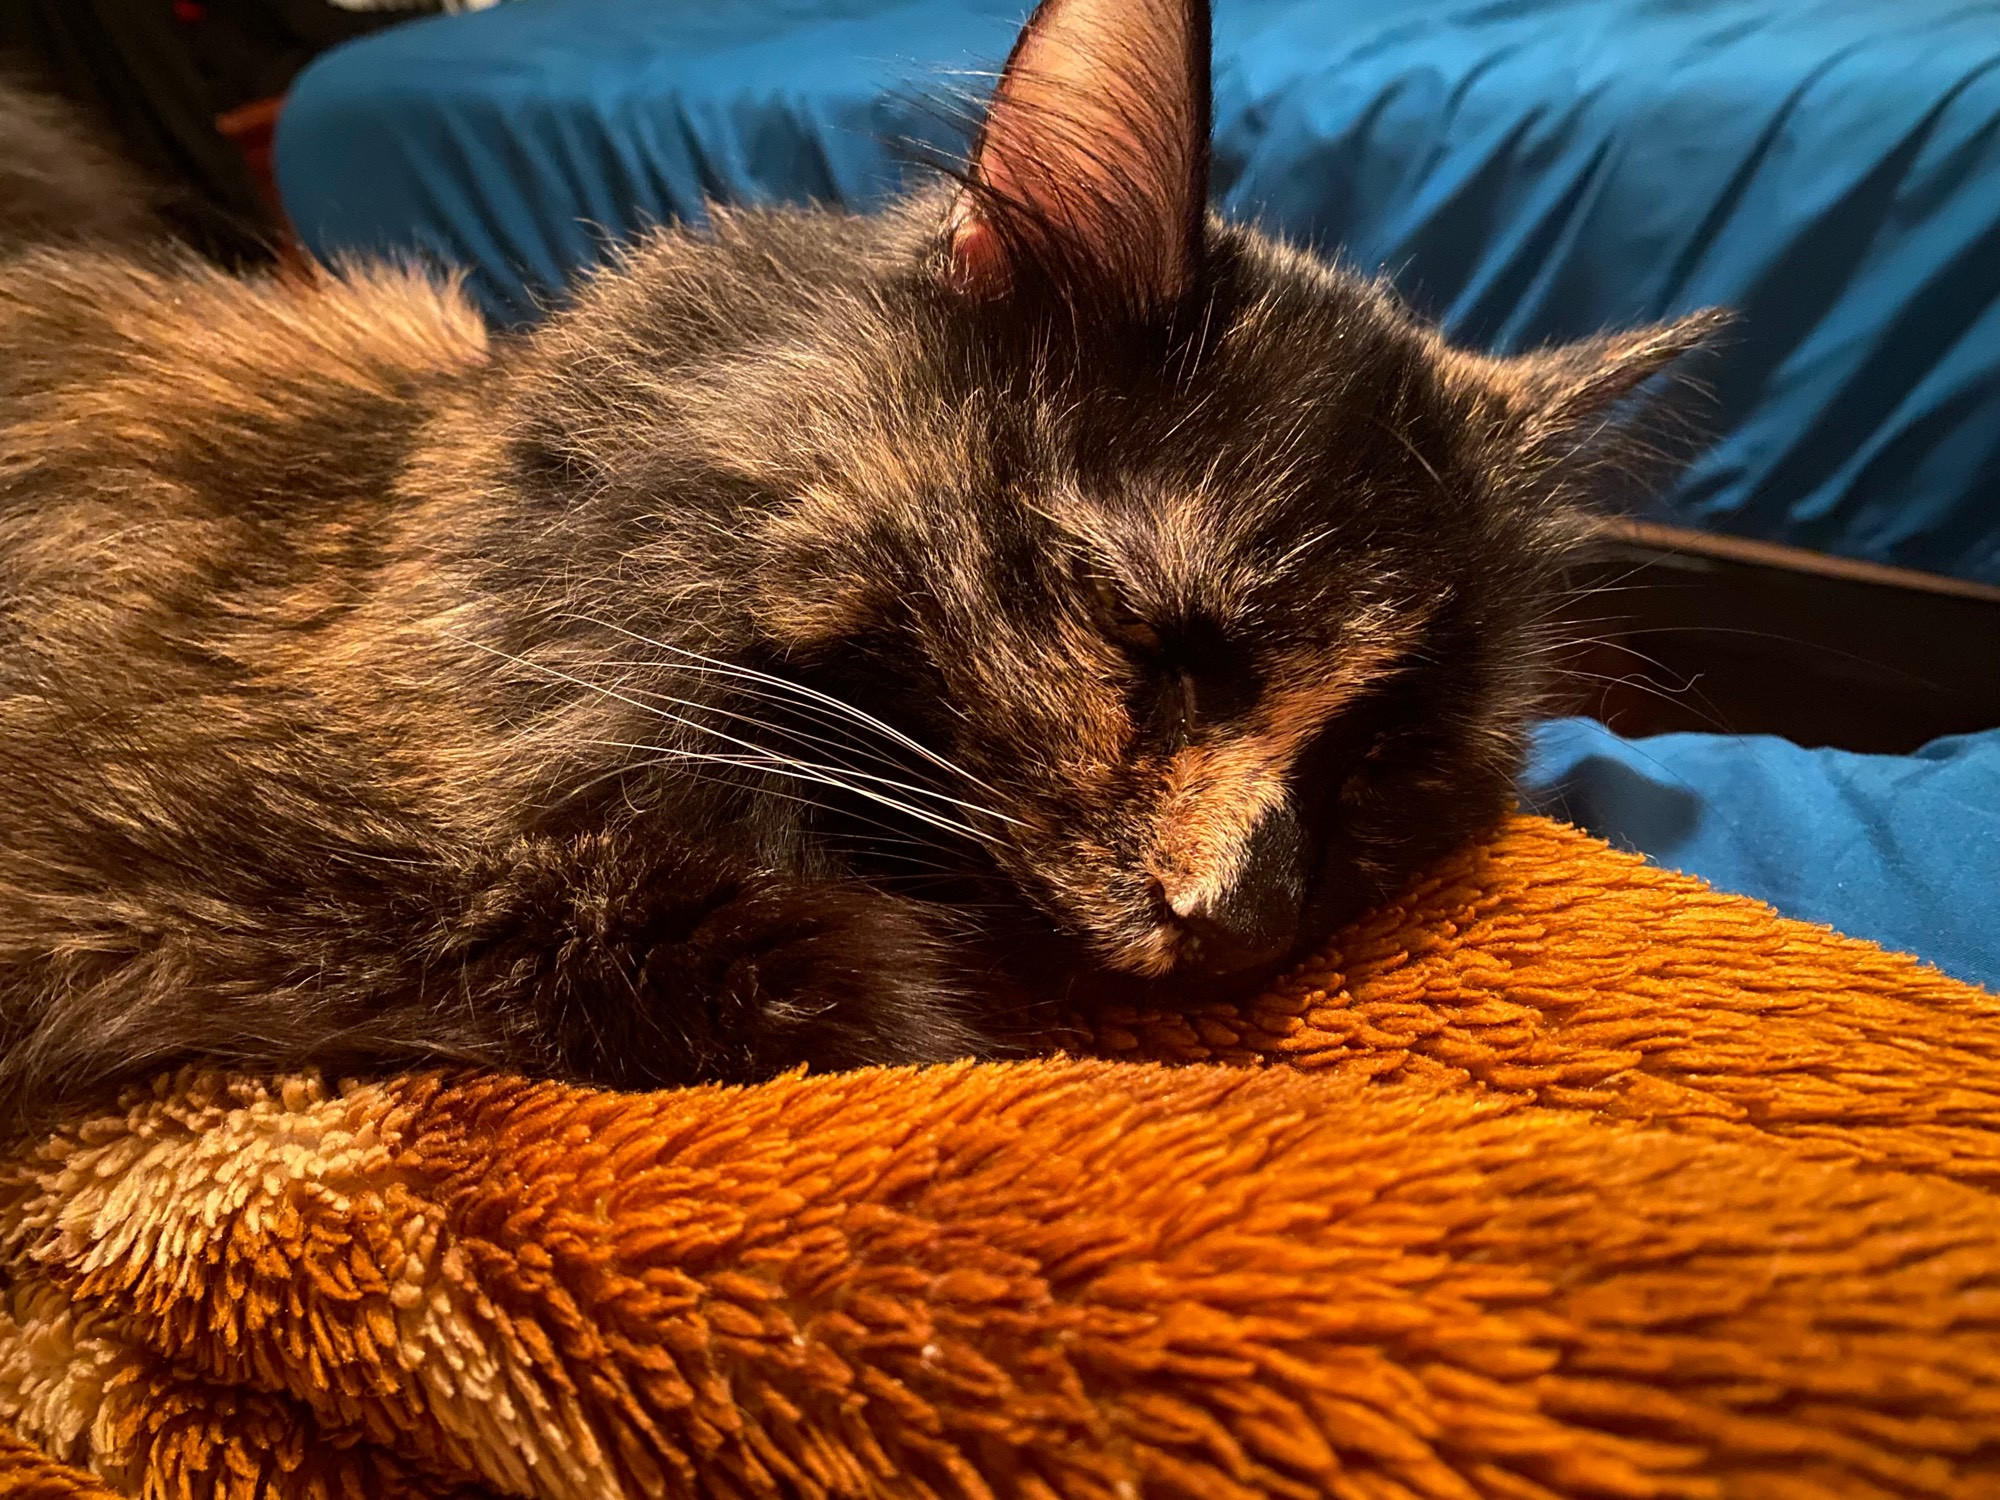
(1582, 1180)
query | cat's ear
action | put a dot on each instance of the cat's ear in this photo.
(1554, 399)
(1091, 170)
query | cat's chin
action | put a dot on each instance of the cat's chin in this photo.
(1066, 982)
(1180, 990)
(1042, 984)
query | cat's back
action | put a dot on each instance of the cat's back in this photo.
(158, 415)
(134, 354)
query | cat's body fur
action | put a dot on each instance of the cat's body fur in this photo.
(268, 792)
(352, 664)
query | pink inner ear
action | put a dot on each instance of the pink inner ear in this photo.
(978, 259)
(1094, 151)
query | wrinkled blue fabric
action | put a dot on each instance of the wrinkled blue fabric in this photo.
(1902, 849)
(1525, 169)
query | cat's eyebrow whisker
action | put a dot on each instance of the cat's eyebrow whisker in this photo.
(1293, 554)
(770, 759)
(861, 716)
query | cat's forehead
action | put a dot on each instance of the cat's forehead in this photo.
(1196, 549)
(1169, 536)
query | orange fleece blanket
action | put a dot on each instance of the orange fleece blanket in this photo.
(1563, 1176)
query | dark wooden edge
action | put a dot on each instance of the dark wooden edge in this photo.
(1676, 630)
(1794, 559)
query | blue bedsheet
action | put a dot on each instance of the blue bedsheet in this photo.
(1902, 849)
(1527, 169)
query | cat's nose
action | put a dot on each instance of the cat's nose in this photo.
(1256, 920)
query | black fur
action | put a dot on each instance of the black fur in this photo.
(62, 179)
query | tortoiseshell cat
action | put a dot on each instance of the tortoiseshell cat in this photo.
(827, 638)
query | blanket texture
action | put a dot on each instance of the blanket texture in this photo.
(1562, 1176)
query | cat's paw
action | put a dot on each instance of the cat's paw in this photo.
(832, 976)
(656, 967)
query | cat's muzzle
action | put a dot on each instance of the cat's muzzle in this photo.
(1255, 922)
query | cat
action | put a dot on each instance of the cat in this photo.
(826, 640)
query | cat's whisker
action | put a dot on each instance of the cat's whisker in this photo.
(751, 719)
(1614, 643)
(763, 757)
(833, 711)
(1293, 554)
(1680, 686)
(907, 866)
(758, 686)
(827, 700)
(1776, 637)
(893, 831)
(846, 743)
(1678, 698)
(873, 845)
(678, 758)
(776, 765)
(758, 759)
(759, 693)
(1617, 584)
(1403, 438)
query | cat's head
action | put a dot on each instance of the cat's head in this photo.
(1220, 581)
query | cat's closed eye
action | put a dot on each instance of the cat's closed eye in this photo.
(1123, 625)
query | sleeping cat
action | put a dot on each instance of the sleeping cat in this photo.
(829, 640)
